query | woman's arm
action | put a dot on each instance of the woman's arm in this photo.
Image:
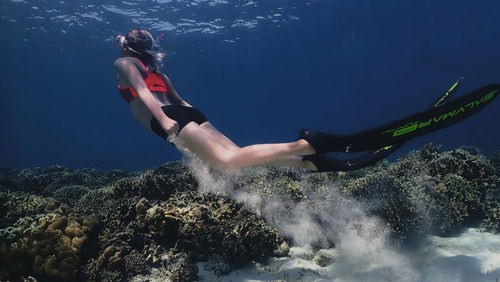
(128, 72)
(172, 93)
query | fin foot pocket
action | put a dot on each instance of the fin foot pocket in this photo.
(324, 163)
(324, 142)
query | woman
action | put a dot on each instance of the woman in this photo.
(157, 105)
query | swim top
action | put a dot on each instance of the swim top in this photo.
(153, 81)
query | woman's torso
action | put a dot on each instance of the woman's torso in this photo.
(142, 113)
(139, 110)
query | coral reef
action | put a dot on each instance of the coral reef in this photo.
(87, 225)
(213, 224)
(51, 244)
(426, 192)
(17, 204)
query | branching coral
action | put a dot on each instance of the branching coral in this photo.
(216, 225)
(157, 183)
(426, 192)
(464, 162)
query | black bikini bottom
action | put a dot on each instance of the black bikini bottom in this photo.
(183, 115)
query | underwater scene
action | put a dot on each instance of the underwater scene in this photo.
(400, 174)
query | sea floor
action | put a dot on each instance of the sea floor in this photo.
(472, 256)
(186, 222)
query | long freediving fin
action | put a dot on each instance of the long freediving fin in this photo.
(377, 155)
(327, 163)
(324, 162)
(404, 129)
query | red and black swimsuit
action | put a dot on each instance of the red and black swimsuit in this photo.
(153, 80)
(182, 114)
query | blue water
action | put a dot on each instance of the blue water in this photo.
(260, 70)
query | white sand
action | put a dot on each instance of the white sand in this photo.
(472, 256)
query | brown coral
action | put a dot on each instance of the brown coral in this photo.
(110, 258)
(51, 243)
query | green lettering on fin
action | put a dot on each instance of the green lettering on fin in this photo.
(436, 120)
(423, 124)
(480, 101)
(448, 114)
(489, 95)
(405, 130)
(456, 112)
(410, 127)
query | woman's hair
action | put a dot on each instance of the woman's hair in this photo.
(139, 43)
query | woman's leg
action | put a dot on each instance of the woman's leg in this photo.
(198, 140)
(220, 138)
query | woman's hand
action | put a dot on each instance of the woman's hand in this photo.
(171, 127)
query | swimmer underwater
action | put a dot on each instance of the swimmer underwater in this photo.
(158, 106)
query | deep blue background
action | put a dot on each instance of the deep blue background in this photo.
(344, 66)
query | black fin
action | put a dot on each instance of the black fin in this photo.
(404, 129)
(326, 163)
